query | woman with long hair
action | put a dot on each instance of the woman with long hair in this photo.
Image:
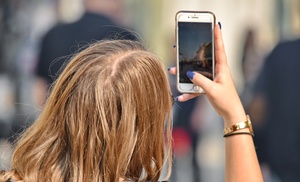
(108, 118)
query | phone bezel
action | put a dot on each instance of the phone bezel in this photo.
(193, 16)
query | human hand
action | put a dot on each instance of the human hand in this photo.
(221, 91)
(207, 74)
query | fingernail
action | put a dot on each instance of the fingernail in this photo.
(169, 68)
(174, 46)
(190, 74)
(219, 23)
(176, 99)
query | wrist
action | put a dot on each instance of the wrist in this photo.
(234, 118)
(240, 128)
(234, 113)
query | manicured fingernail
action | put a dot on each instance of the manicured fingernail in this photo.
(174, 46)
(169, 68)
(219, 23)
(176, 99)
(190, 74)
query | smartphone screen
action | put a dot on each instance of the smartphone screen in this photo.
(195, 49)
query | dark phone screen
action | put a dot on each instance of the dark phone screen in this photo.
(195, 49)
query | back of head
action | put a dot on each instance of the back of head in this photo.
(103, 121)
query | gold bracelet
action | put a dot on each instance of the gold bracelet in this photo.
(239, 126)
(239, 133)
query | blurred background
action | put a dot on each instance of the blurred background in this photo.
(251, 30)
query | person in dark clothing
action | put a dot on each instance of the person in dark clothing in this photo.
(100, 21)
(277, 104)
(64, 40)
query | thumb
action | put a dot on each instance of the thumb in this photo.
(200, 80)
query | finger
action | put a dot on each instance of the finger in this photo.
(219, 46)
(208, 75)
(186, 97)
(200, 80)
(172, 70)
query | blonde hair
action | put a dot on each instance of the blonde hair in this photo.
(105, 120)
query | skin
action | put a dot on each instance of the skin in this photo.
(241, 161)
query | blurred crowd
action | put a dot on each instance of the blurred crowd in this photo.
(37, 37)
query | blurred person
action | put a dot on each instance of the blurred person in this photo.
(105, 120)
(186, 134)
(100, 20)
(251, 63)
(276, 104)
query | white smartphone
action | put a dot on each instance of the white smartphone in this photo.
(194, 47)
